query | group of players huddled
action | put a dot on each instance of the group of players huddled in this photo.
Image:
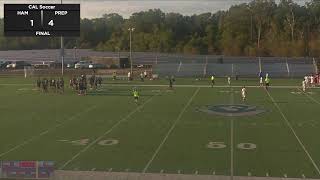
(77, 83)
(54, 84)
(312, 80)
(80, 83)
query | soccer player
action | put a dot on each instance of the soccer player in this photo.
(71, 83)
(312, 80)
(57, 85)
(45, 85)
(100, 81)
(171, 81)
(92, 80)
(306, 79)
(212, 81)
(53, 83)
(304, 85)
(260, 74)
(267, 81)
(229, 80)
(145, 74)
(142, 77)
(38, 83)
(261, 81)
(114, 75)
(243, 93)
(135, 95)
(61, 85)
(129, 76)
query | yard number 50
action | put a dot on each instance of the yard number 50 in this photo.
(221, 145)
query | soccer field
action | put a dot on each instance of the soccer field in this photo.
(194, 129)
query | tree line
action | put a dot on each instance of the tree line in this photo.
(257, 28)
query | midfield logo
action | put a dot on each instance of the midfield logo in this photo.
(231, 110)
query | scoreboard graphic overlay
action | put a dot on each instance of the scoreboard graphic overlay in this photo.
(26, 169)
(42, 20)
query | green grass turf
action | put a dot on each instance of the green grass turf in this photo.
(165, 131)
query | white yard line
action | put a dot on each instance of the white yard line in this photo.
(59, 174)
(195, 86)
(105, 133)
(310, 97)
(231, 152)
(231, 139)
(27, 141)
(170, 131)
(294, 133)
(17, 84)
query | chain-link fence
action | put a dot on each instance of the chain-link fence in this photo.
(282, 67)
(183, 65)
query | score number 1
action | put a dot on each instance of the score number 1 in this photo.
(51, 23)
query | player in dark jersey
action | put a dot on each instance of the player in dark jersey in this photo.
(95, 82)
(61, 85)
(100, 81)
(82, 85)
(50, 82)
(71, 83)
(57, 85)
(92, 81)
(74, 83)
(114, 75)
(45, 84)
(38, 83)
(84, 79)
(171, 81)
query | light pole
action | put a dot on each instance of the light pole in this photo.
(62, 54)
(251, 23)
(130, 32)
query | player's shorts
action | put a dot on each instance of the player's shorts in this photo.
(136, 97)
(267, 84)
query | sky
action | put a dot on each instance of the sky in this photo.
(96, 8)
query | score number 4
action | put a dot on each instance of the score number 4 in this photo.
(51, 23)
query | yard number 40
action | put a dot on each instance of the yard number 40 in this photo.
(221, 145)
(84, 142)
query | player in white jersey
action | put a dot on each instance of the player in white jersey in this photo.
(304, 85)
(129, 76)
(244, 93)
(229, 80)
(312, 80)
(306, 79)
